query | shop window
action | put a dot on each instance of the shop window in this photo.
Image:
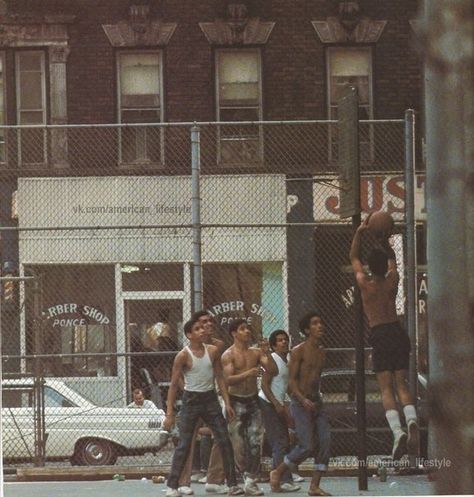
(249, 291)
(351, 66)
(140, 102)
(239, 98)
(78, 321)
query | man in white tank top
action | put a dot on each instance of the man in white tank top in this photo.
(276, 417)
(200, 367)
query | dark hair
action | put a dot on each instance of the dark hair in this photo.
(306, 320)
(272, 339)
(200, 314)
(188, 327)
(138, 390)
(234, 325)
(378, 262)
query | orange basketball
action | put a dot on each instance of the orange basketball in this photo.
(380, 223)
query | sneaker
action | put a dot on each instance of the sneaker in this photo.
(235, 490)
(172, 492)
(215, 488)
(297, 477)
(289, 486)
(399, 446)
(203, 479)
(196, 477)
(251, 488)
(413, 438)
(186, 490)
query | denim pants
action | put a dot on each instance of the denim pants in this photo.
(205, 406)
(314, 437)
(277, 435)
(246, 433)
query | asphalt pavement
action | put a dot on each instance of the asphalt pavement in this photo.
(336, 485)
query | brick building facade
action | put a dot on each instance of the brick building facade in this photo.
(169, 61)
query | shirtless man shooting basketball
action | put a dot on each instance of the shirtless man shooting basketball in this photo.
(390, 342)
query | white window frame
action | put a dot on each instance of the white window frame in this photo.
(369, 155)
(144, 159)
(239, 138)
(3, 97)
(19, 109)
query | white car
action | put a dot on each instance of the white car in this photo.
(75, 428)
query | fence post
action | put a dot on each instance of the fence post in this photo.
(411, 262)
(196, 217)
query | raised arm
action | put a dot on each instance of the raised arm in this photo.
(355, 248)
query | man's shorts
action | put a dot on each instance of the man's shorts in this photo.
(390, 347)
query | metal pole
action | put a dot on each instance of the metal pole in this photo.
(196, 217)
(360, 380)
(448, 45)
(411, 263)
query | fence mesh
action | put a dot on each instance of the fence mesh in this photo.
(101, 219)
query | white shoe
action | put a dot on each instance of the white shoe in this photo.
(203, 479)
(215, 488)
(289, 486)
(297, 477)
(196, 477)
(399, 446)
(413, 438)
(186, 490)
(235, 490)
(251, 488)
(172, 492)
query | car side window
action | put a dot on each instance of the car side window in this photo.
(52, 398)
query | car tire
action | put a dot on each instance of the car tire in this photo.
(94, 452)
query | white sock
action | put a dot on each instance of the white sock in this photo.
(393, 419)
(410, 413)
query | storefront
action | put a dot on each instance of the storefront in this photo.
(115, 259)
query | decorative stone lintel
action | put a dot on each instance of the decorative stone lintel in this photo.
(123, 34)
(32, 34)
(332, 31)
(222, 32)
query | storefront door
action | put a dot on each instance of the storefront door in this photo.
(152, 326)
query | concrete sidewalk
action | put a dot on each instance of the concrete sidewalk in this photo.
(336, 485)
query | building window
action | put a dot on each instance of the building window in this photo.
(140, 101)
(31, 106)
(351, 66)
(2, 107)
(239, 98)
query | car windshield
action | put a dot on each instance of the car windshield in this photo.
(52, 398)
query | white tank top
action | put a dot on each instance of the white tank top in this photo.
(200, 378)
(279, 385)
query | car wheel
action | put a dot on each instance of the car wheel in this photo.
(94, 452)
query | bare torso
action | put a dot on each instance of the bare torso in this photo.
(378, 298)
(243, 360)
(308, 358)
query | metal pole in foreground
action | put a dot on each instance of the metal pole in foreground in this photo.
(411, 262)
(448, 47)
(196, 217)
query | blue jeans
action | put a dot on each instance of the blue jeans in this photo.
(314, 437)
(277, 435)
(205, 406)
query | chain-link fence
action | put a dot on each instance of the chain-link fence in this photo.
(102, 221)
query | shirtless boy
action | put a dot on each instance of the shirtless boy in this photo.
(242, 366)
(306, 363)
(390, 342)
(199, 364)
